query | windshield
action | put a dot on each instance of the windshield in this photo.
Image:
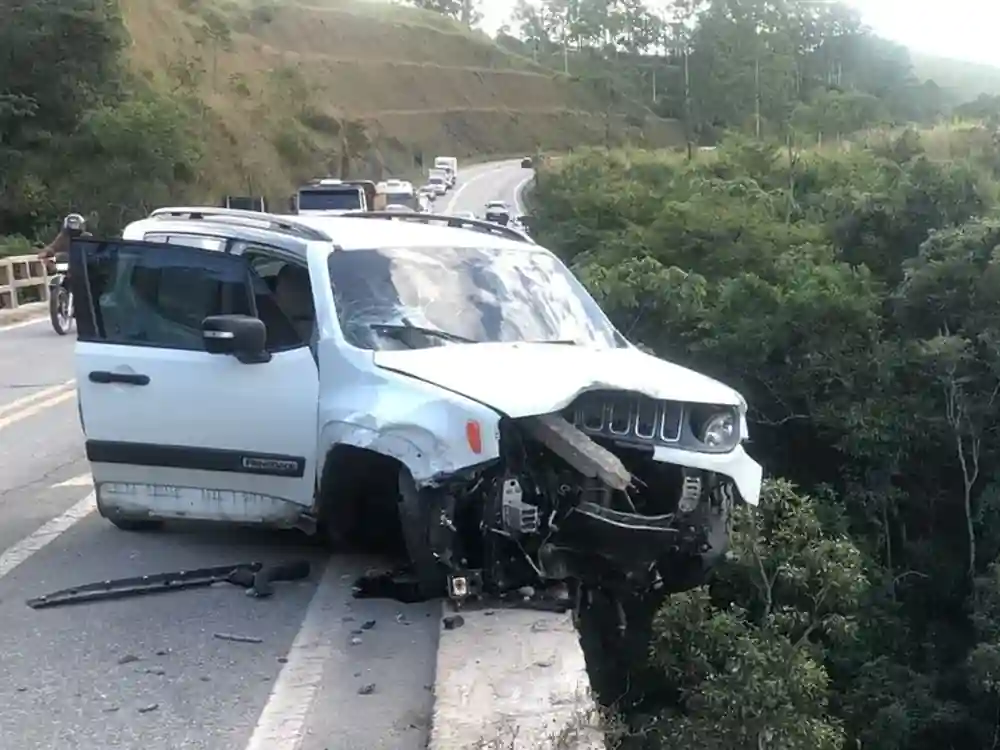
(477, 294)
(329, 200)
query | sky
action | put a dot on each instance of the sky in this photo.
(960, 29)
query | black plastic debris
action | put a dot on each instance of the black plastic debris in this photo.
(400, 585)
(255, 577)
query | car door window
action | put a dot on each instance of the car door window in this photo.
(290, 318)
(150, 294)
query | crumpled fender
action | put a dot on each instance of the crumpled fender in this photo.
(426, 454)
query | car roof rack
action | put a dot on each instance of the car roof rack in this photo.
(242, 217)
(458, 222)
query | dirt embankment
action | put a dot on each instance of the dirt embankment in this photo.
(284, 89)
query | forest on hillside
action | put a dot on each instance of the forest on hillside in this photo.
(768, 67)
(854, 299)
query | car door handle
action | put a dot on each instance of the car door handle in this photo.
(128, 378)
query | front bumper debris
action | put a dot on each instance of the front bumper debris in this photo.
(255, 577)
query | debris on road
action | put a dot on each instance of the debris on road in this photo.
(237, 638)
(149, 708)
(366, 689)
(255, 577)
(453, 621)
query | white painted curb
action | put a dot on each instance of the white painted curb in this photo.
(511, 678)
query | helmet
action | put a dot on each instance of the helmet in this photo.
(75, 224)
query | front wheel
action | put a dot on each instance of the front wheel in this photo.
(61, 310)
(420, 517)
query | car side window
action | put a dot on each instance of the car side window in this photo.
(148, 294)
(290, 318)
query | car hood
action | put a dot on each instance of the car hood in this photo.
(522, 380)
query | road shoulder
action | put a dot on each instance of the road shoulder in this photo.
(27, 313)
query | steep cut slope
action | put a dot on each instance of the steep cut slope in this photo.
(285, 90)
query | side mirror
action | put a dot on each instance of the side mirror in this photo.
(242, 336)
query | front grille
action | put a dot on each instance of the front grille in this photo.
(623, 415)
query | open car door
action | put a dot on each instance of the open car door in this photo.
(172, 430)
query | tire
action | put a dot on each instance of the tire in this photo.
(58, 302)
(418, 511)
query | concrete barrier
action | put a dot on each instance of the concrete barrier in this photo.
(18, 273)
(512, 679)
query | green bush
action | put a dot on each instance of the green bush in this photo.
(854, 299)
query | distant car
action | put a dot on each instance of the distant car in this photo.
(526, 162)
(498, 212)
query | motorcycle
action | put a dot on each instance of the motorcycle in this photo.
(57, 257)
(61, 298)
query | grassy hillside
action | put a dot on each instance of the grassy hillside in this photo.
(284, 89)
(966, 80)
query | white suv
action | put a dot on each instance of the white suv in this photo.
(323, 372)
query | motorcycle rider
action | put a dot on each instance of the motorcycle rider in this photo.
(60, 296)
(73, 226)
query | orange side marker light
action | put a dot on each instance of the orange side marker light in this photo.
(474, 436)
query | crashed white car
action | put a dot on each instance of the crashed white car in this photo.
(304, 371)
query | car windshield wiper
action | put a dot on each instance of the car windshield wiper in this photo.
(394, 329)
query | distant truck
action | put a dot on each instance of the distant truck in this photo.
(401, 193)
(450, 165)
(330, 195)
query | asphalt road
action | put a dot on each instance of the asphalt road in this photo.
(151, 672)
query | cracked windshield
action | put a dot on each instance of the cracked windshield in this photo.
(513, 374)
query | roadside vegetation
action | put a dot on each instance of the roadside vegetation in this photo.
(834, 258)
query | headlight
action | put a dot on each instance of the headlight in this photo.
(720, 431)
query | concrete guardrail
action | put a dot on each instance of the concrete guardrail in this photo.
(20, 272)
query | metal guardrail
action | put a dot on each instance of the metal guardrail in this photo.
(20, 272)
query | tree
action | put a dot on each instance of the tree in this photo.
(854, 299)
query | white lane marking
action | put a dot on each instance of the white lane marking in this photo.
(23, 324)
(281, 725)
(462, 188)
(46, 534)
(36, 408)
(518, 189)
(44, 393)
(84, 480)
